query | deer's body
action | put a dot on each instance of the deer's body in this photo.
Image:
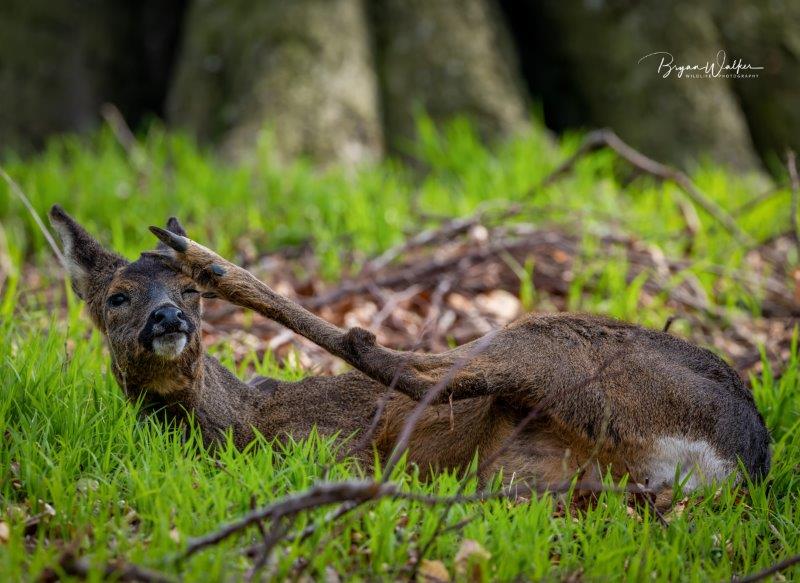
(599, 395)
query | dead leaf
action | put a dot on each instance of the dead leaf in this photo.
(175, 535)
(331, 576)
(433, 571)
(677, 510)
(5, 533)
(479, 234)
(471, 560)
(633, 514)
(499, 304)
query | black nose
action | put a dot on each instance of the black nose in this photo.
(167, 316)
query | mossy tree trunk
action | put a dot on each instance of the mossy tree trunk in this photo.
(302, 68)
(60, 61)
(767, 35)
(675, 119)
(445, 58)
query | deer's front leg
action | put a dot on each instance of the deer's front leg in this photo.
(410, 373)
(214, 273)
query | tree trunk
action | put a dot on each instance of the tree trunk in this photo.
(301, 68)
(767, 34)
(445, 58)
(60, 61)
(674, 119)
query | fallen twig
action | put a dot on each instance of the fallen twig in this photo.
(606, 138)
(319, 495)
(771, 570)
(451, 228)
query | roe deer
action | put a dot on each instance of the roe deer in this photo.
(663, 407)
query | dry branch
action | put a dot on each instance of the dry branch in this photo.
(401, 444)
(319, 495)
(769, 571)
(606, 138)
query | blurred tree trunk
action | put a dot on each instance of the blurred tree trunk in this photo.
(60, 61)
(303, 68)
(674, 119)
(56, 64)
(767, 34)
(447, 57)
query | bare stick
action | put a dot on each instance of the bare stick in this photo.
(791, 163)
(418, 272)
(37, 219)
(269, 540)
(606, 138)
(319, 495)
(441, 290)
(115, 120)
(452, 228)
(771, 570)
(532, 415)
(361, 491)
(746, 207)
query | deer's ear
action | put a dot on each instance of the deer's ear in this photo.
(90, 265)
(174, 226)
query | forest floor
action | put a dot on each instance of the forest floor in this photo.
(427, 258)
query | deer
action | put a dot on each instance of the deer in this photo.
(603, 397)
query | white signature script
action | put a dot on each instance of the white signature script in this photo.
(717, 68)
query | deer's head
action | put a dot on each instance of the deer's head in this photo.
(149, 312)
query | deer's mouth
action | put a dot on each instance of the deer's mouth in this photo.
(170, 344)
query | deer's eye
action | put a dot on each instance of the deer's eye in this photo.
(189, 291)
(117, 300)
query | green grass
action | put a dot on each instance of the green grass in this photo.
(121, 487)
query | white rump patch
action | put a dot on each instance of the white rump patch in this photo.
(169, 345)
(681, 457)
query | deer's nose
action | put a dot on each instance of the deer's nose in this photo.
(167, 315)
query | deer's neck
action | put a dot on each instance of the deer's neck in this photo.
(216, 398)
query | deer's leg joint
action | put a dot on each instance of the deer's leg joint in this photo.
(357, 340)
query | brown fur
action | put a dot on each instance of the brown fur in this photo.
(649, 385)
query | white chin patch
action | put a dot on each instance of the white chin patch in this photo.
(169, 345)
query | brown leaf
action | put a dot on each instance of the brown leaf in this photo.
(677, 510)
(471, 560)
(433, 571)
(5, 533)
(499, 304)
